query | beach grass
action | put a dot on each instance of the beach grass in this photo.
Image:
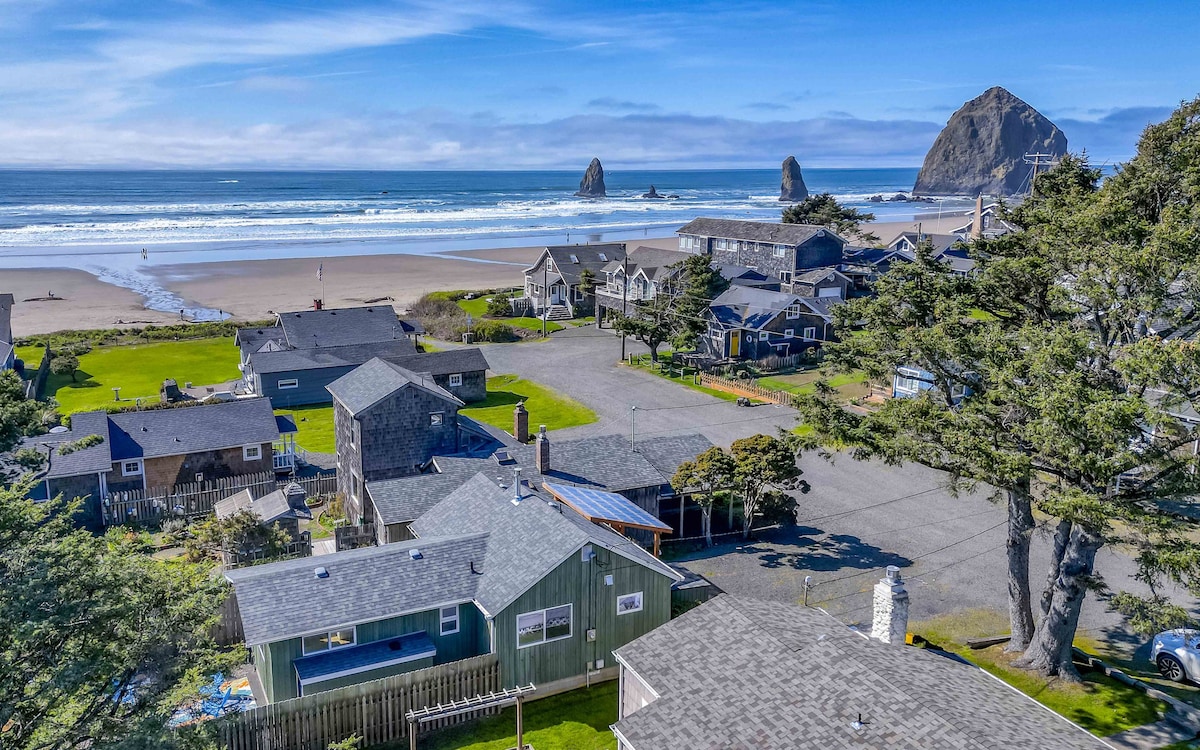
(139, 370)
(544, 405)
(314, 425)
(1099, 704)
(578, 720)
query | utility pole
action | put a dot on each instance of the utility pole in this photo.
(633, 428)
(1037, 161)
(624, 299)
(545, 292)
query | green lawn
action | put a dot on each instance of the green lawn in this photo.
(31, 356)
(139, 370)
(544, 405)
(315, 427)
(686, 381)
(849, 384)
(478, 309)
(578, 720)
(1099, 704)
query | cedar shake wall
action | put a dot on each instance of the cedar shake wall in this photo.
(165, 472)
(473, 388)
(349, 462)
(815, 252)
(397, 436)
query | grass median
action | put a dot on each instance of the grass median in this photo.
(544, 405)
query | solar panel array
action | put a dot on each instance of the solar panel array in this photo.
(605, 506)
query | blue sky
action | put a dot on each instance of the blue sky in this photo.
(511, 84)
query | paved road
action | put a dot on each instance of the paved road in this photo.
(584, 363)
(856, 519)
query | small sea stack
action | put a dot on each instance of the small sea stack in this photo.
(792, 189)
(592, 184)
(652, 193)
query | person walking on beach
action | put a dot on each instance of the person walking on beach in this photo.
(144, 254)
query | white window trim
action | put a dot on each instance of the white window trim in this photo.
(763, 335)
(328, 647)
(793, 312)
(641, 603)
(790, 333)
(444, 619)
(287, 384)
(125, 472)
(248, 450)
(456, 379)
(439, 416)
(810, 333)
(904, 376)
(545, 640)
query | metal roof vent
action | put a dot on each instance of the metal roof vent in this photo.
(415, 554)
(320, 573)
(517, 485)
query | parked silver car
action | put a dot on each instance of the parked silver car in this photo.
(1177, 654)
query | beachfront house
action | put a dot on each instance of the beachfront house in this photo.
(294, 361)
(153, 450)
(553, 285)
(637, 278)
(8, 352)
(737, 672)
(746, 323)
(779, 250)
(508, 570)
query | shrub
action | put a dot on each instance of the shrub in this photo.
(500, 306)
(30, 459)
(87, 441)
(489, 330)
(65, 364)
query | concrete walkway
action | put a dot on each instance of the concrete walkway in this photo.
(1150, 736)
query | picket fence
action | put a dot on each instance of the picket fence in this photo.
(198, 498)
(746, 388)
(375, 711)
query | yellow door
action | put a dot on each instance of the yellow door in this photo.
(735, 344)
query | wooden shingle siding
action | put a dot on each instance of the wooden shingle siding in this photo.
(309, 390)
(594, 606)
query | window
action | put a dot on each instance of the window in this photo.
(455, 379)
(435, 419)
(785, 277)
(793, 311)
(574, 258)
(543, 626)
(629, 603)
(333, 639)
(449, 617)
(810, 333)
(603, 257)
(763, 335)
(251, 452)
(780, 250)
(288, 383)
(790, 332)
(907, 380)
(131, 468)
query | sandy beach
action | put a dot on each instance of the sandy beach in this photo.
(254, 289)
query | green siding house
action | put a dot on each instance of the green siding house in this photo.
(504, 570)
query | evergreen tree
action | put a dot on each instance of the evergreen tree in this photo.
(824, 210)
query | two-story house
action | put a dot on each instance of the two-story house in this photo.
(776, 249)
(553, 284)
(749, 323)
(504, 570)
(639, 277)
(294, 360)
(153, 450)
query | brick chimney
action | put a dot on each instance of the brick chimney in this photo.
(521, 423)
(542, 451)
(977, 222)
(890, 623)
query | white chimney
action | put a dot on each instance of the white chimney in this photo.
(890, 623)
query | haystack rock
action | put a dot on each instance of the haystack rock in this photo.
(592, 184)
(982, 148)
(792, 189)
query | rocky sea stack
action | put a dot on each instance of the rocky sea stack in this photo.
(792, 189)
(982, 148)
(592, 184)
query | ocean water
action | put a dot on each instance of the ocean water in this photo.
(101, 221)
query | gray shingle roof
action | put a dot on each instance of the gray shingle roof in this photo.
(814, 275)
(750, 307)
(748, 674)
(298, 360)
(174, 432)
(654, 262)
(587, 256)
(374, 381)
(525, 541)
(666, 453)
(286, 599)
(939, 242)
(349, 325)
(269, 507)
(754, 231)
(92, 460)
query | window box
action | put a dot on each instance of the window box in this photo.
(333, 639)
(544, 626)
(251, 452)
(449, 618)
(288, 383)
(628, 603)
(456, 380)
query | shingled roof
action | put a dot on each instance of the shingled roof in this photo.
(750, 674)
(374, 381)
(756, 231)
(753, 308)
(297, 360)
(307, 329)
(570, 260)
(174, 432)
(654, 262)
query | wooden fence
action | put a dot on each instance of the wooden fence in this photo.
(227, 631)
(373, 710)
(746, 388)
(198, 498)
(352, 537)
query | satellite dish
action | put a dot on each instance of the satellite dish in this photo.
(58, 430)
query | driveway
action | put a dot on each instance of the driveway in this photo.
(584, 363)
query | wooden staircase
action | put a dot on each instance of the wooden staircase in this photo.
(558, 312)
